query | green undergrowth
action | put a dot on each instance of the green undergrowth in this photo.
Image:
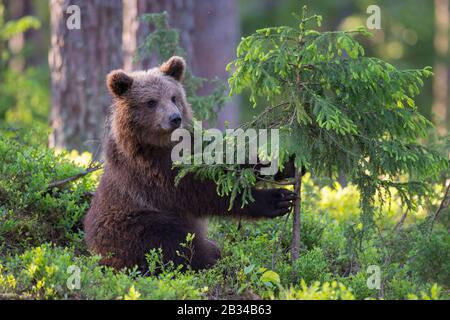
(43, 256)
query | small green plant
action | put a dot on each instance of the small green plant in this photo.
(187, 253)
(430, 256)
(317, 291)
(311, 266)
(31, 211)
(435, 294)
(45, 272)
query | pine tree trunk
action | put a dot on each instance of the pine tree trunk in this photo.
(181, 17)
(130, 28)
(441, 71)
(295, 245)
(79, 62)
(209, 32)
(215, 41)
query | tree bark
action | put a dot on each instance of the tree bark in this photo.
(215, 41)
(181, 17)
(295, 245)
(79, 62)
(441, 71)
(209, 33)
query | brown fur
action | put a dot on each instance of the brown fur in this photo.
(137, 206)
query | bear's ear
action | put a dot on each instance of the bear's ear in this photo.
(118, 82)
(174, 67)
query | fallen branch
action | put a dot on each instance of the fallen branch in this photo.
(60, 183)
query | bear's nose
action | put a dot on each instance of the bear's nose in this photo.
(175, 120)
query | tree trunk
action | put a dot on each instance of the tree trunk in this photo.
(181, 15)
(209, 33)
(79, 62)
(295, 245)
(441, 72)
(214, 47)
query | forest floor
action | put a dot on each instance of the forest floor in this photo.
(43, 255)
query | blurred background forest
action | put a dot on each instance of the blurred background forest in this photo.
(52, 78)
(53, 93)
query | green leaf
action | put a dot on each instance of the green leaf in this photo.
(270, 276)
(249, 269)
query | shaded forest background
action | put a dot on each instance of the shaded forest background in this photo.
(53, 93)
(52, 78)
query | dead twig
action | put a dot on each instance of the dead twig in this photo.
(399, 225)
(60, 183)
(280, 240)
(444, 205)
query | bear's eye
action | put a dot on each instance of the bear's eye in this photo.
(152, 103)
(174, 99)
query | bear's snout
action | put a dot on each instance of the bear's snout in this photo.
(175, 120)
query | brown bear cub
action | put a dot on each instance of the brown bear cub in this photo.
(137, 206)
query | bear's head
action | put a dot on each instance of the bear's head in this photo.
(149, 105)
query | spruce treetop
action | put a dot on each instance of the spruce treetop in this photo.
(338, 112)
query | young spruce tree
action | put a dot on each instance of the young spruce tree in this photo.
(338, 112)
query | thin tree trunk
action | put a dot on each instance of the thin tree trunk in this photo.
(79, 62)
(441, 71)
(295, 245)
